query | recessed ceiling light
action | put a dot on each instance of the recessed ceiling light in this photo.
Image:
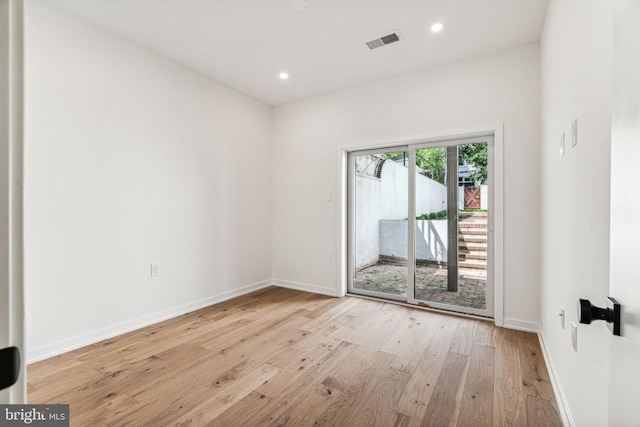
(437, 27)
(284, 76)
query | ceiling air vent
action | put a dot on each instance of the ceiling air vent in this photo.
(383, 41)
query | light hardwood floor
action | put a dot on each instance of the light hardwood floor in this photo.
(279, 356)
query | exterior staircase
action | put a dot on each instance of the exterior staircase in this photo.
(472, 245)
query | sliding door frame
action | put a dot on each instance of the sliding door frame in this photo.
(449, 142)
(351, 218)
(496, 205)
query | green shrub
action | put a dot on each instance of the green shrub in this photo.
(473, 210)
(432, 215)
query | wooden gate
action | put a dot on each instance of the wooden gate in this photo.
(472, 197)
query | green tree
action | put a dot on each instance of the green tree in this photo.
(432, 161)
(476, 156)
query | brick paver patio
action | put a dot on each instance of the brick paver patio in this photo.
(431, 284)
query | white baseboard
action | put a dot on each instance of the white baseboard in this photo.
(63, 346)
(561, 399)
(305, 287)
(520, 325)
(69, 344)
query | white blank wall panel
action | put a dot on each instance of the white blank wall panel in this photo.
(576, 68)
(132, 159)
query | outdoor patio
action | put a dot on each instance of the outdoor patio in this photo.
(431, 284)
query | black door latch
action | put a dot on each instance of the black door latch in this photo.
(588, 312)
(9, 366)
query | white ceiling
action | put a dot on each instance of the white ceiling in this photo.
(245, 44)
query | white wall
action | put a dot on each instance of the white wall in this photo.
(132, 160)
(489, 90)
(431, 239)
(431, 196)
(394, 191)
(576, 51)
(367, 216)
(386, 198)
(484, 197)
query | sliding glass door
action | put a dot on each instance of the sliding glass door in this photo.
(450, 246)
(420, 224)
(379, 188)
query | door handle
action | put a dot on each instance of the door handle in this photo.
(9, 366)
(588, 312)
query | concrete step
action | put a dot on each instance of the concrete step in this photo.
(472, 231)
(469, 247)
(474, 264)
(472, 225)
(472, 255)
(472, 245)
(473, 239)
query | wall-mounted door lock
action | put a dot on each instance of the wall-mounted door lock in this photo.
(588, 312)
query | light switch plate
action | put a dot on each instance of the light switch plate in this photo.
(562, 150)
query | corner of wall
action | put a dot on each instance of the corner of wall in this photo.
(558, 391)
(305, 287)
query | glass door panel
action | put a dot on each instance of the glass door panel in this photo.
(451, 226)
(379, 223)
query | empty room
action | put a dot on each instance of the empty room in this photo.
(319, 212)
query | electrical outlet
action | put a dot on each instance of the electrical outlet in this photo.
(330, 255)
(561, 318)
(574, 337)
(155, 270)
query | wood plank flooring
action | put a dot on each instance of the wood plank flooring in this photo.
(283, 357)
